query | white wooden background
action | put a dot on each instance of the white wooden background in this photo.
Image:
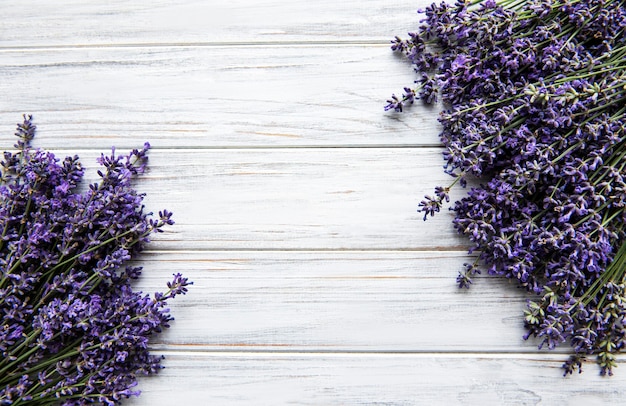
(295, 196)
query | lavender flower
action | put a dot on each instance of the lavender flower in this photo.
(72, 329)
(535, 114)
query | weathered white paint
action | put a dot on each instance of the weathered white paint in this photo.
(201, 378)
(295, 197)
(337, 301)
(212, 96)
(73, 23)
(286, 198)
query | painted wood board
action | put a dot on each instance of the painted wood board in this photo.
(312, 301)
(73, 23)
(212, 96)
(375, 379)
(303, 198)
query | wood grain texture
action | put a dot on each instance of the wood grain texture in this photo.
(346, 301)
(243, 96)
(311, 198)
(374, 379)
(71, 23)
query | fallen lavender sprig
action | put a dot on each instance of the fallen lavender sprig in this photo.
(72, 329)
(534, 93)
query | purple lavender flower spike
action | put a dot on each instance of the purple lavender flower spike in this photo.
(533, 100)
(74, 330)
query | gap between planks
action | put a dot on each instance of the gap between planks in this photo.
(238, 350)
(208, 44)
(460, 250)
(552, 355)
(260, 147)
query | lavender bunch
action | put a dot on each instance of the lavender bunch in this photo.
(72, 329)
(534, 93)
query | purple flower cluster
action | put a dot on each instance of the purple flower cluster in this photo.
(72, 329)
(535, 115)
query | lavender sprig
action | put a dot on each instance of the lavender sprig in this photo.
(72, 329)
(534, 93)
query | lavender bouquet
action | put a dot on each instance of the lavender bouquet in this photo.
(72, 329)
(534, 95)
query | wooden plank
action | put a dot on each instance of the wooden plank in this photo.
(319, 198)
(368, 301)
(73, 22)
(211, 96)
(375, 379)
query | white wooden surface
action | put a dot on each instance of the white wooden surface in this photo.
(295, 196)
